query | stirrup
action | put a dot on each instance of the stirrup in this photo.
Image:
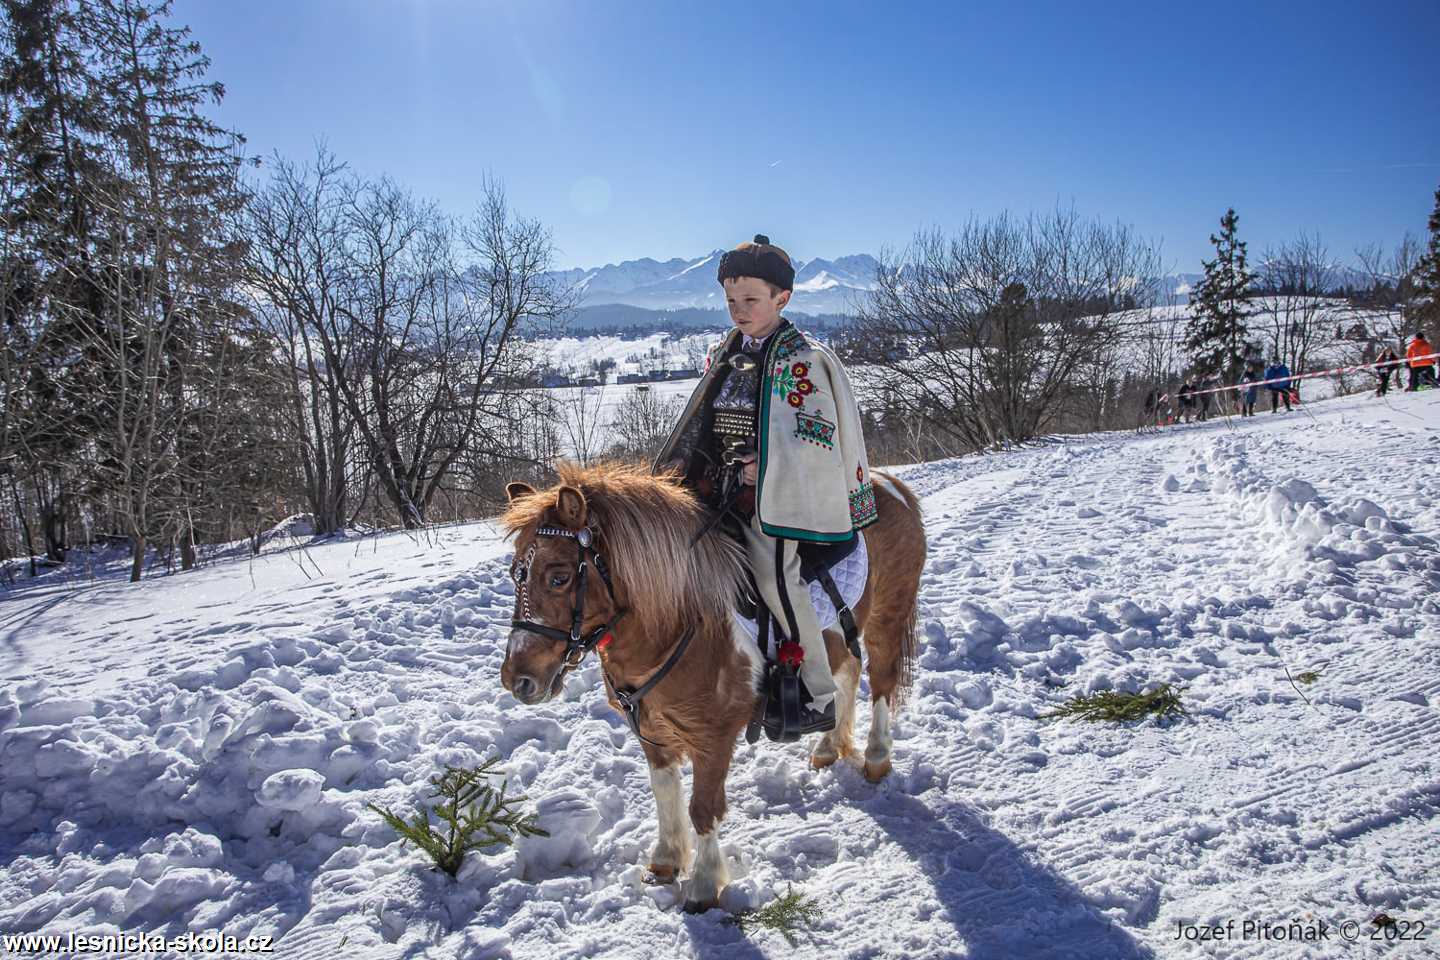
(786, 718)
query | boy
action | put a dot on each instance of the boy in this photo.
(772, 436)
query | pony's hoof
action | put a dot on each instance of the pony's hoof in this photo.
(658, 876)
(822, 760)
(700, 906)
(875, 772)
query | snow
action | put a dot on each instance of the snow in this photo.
(196, 752)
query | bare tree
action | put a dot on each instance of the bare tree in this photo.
(581, 414)
(642, 421)
(297, 278)
(1391, 275)
(1005, 324)
(1294, 281)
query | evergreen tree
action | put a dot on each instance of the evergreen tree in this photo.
(118, 208)
(1215, 335)
(52, 133)
(1424, 310)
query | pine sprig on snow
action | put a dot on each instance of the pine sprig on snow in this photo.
(1163, 702)
(473, 816)
(783, 915)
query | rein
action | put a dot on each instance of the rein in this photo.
(579, 646)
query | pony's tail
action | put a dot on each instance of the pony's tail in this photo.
(909, 636)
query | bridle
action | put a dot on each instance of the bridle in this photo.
(578, 646)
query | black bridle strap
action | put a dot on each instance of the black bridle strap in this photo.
(629, 700)
(577, 646)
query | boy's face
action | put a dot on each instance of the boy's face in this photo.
(753, 308)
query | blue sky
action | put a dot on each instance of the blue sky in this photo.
(651, 128)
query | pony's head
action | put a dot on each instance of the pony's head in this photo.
(641, 526)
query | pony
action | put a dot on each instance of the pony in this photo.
(674, 662)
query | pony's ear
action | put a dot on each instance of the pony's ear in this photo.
(570, 507)
(517, 490)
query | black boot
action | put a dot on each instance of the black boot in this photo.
(788, 714)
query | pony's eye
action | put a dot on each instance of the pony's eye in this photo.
(560, 579)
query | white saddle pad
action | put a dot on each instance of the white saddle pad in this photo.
(849, 576)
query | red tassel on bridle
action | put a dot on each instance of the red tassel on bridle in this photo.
(791, 654)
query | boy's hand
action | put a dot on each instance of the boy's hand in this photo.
(747, 476)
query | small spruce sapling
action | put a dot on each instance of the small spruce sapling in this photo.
(473, 816)
(784, 915)
(1163, 701)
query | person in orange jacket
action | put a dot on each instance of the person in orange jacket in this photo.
(1420, 355)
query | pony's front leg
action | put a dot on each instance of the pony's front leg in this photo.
(672, 847)
(707, 809)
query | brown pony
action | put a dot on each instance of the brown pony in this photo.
(667, 592)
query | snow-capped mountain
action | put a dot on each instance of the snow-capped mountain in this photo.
(821, 286)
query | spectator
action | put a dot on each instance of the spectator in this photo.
(1187, 401)
(1385, 365)
(1422, 362)
(1280, 388)
(1248, 391)
(1204, 386)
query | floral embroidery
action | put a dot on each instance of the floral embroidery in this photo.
(783, 382)
(790, 341)
(796, 385)
(862, 505)
(814, 428)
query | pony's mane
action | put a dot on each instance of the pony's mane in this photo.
(646, 524)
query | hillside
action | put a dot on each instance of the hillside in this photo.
(196, 751)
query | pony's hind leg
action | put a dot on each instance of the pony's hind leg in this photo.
(877, 748)
(671, 853)
(885, 644)
(837, 743)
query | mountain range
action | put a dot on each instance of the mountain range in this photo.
(647, 292)
(821, 286)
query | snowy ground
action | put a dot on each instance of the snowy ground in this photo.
(196, 752)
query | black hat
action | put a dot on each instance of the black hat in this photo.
(760, 259)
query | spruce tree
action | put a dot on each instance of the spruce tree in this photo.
(177, 205)
(52, 133)
(1424, 310)
(1215, 335)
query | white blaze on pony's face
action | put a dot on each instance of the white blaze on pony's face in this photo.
(545, 571)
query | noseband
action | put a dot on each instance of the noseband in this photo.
(577, 646)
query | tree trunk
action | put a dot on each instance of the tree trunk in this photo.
(137, 557)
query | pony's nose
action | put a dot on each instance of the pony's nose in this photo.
(524, 688)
